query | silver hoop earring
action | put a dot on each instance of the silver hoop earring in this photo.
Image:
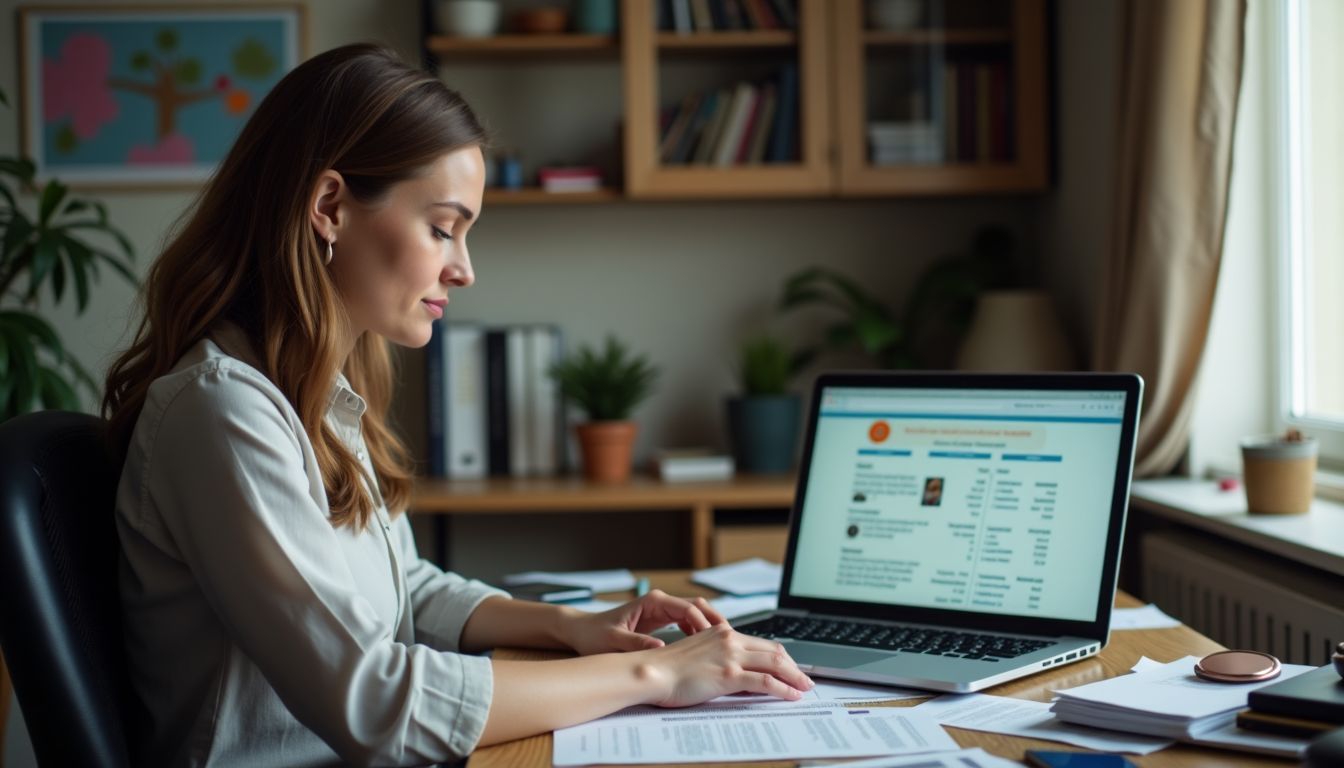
(328, 261)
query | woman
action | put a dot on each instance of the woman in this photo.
(277, 612)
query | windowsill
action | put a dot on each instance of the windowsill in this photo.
(1315, 538)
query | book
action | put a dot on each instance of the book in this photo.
(784, 11)
(1317, 695)
(569, 179)
(785, 131)
(764, 121)
(689, 142)
(543, 400)
(681, 16)
(464, 401)
(704, 151)
(520, 432)
(435, 395)
(700, 13)
(547, 592)
(735, 123)
(681, 123)
(497, 402)
(950, 103)
(1282, 725)
(691, 465)
(983, 119)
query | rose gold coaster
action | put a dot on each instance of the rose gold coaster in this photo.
(1238, 667)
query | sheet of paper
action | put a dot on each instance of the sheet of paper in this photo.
(828, 690)
(594, 606)
(1231, 737)
(745, 577)
(733, 607)
(616, 580)
(718, 734)
(1033, 719)
(1172, 690)
(1147, 617)
(962, 758)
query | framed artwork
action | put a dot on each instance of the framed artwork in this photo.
(135, 96)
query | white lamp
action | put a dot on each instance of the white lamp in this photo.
(1015, 331)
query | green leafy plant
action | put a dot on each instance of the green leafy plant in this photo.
(606, 384)
(940, 306)
(49, 248)
(767, 366)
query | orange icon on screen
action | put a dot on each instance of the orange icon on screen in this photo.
(879, 431)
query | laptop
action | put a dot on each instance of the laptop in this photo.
(954, 531)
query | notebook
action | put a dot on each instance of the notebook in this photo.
(953, 531)
(1317, 695)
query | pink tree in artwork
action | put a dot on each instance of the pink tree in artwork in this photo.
(74, 86)
(78, 86)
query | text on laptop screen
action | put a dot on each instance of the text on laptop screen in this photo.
(991, 501)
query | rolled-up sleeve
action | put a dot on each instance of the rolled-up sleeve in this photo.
(228, 477)
(441, 601)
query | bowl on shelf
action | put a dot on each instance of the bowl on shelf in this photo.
(467, 18)
(547, 20)
(894, 14)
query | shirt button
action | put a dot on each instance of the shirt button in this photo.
(360, 455)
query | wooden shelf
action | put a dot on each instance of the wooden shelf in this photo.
(538, 196)
(923, 37)
(771, 38)
(515, 496)
(523, 46)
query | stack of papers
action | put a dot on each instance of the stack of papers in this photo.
(1168, 700)
(746, 577)
(617, 580)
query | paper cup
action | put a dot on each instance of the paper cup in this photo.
(1280, 475)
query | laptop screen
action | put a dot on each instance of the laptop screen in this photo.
(982, 500)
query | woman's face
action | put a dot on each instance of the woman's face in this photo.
(395, 261)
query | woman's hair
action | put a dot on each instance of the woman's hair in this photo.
(248, 253)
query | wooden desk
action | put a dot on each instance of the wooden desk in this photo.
(1117, 658)
(511, 496)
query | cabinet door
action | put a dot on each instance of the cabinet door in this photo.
(940, 96)
(703, 73)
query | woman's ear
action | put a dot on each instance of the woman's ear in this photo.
(326, 210)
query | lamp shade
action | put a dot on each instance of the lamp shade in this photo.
(1015, 331)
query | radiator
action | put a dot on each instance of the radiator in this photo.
(1244, 599)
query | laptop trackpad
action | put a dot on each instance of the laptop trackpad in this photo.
(833, 656)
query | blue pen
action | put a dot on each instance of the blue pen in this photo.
(641, 587)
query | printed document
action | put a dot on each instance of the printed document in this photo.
(1032, 719)
(962, 758)
(719, 733)
(1147, 617)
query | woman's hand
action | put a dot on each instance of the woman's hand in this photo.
(626, 628)
(720, 661)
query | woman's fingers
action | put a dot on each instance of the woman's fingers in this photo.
(708, 611)
(764, 682)
(778, 663)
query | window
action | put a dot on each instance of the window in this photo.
(1311, 294)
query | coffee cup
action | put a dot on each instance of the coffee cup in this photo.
(1279, 473)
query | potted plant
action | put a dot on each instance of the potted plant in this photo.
(607, 385)
(927, 333)
(36, 371)
(763, 421)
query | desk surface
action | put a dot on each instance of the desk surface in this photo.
(1124, 650)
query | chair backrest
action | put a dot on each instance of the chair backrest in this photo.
(60, 616)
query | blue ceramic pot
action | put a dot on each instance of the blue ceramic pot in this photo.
(763, 431)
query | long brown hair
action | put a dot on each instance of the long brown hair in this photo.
(248, 253)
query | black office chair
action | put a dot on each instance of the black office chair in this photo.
(60, 616)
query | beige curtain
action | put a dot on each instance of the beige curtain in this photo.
(1180, 72)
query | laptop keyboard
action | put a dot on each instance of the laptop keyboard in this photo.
(966, 645)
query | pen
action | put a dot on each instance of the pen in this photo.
(641, 587)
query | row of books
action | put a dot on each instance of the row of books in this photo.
(687, 16)
(748, 123)
(493, 408)
(976, 112)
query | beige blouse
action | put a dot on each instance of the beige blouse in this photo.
(257, 634)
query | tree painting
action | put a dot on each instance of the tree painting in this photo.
(156, 89)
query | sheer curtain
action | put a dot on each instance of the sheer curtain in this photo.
(1180, 73)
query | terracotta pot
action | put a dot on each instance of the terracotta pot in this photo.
(607, 447)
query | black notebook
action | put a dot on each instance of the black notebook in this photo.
(1316, 695)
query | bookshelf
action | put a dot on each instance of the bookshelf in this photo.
(700, 501)
(843, 66)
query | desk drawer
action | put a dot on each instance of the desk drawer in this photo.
(739, 542)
